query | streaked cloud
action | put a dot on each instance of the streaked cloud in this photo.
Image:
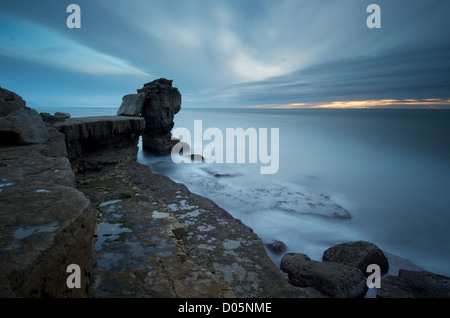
(421, 75)
(34, 43)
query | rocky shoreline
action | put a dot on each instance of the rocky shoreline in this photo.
(71, 192)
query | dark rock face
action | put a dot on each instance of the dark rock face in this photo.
(359, 254)
(132, 105)
(95, 141)
(277, 247)
(57, 117)
(10, 102)
(157, 102)
(46, 224)
(23, 127)
(332, 279)
(412, 284)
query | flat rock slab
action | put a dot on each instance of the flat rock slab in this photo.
(219, 243)
(139, 248)
(88, 135)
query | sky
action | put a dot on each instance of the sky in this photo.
(229, 53)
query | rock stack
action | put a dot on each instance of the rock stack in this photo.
(157, 102)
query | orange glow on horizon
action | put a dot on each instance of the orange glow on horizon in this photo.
(361, 104)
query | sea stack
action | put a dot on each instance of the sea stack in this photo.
(157, 102)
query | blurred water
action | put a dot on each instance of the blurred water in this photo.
(390, 169)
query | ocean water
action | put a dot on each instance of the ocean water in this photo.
(389, 169)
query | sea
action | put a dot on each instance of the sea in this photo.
(389, 169)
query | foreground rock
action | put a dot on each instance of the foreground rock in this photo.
(217, 242)
(413, 284)
(23, 127)
(46, 224)
(139, 249)
(332, 279)
(359, 254)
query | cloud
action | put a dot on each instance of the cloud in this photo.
(397, 74)
(34, 43)
(226, 42)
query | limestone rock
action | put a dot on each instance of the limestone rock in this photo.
(413, 284)
(46, 225)
(95, 141)
(10, 102)
(132, 105)
(62, 115)
(277, 247)
(158, 102)
(332, 279)
(23, 127)
(47, 118)
(162, 102)
(140, 244)
(219, 243)
(360, 254)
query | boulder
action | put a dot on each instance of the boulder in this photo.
(10, 102)
(359, 254)
(196, 158)
(277, 247)
(413, 284)
(132, 105)
(332, 279)
(47, 118)
(62, 114)
(23, 127)
(57, 117)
